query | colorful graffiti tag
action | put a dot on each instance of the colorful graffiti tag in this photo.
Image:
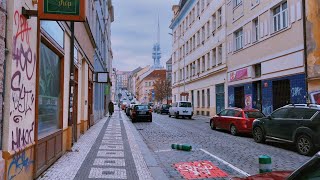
(20, 162)
(22, 99)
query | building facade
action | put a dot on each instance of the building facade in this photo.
(40, 120)
(199, 54)
(312, 44)
(146, 85)
(103, 57)
(264, 70)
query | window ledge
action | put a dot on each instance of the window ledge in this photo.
(254, 5)
(236, 7)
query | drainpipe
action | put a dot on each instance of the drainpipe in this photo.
(305, 48)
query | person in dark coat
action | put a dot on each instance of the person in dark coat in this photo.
(111, 108)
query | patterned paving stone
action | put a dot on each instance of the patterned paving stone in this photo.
(107, 173)
(109, 162)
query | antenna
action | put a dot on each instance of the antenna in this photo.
(158, 35)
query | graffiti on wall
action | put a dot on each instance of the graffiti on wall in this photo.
(248, 101)
(21, 161)
(231, 99)
(296, 91)
(267, 110)
(22, 99)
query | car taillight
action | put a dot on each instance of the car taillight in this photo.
(133, 112)
(150, 110)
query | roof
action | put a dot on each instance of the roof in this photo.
(169, 61)
(156, 74)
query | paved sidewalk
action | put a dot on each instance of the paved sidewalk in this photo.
(111, 149)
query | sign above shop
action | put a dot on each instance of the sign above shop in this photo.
(62, 10)
(238, 75)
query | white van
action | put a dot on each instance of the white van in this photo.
(181, 108)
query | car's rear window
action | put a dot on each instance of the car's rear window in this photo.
(165, 106)
(142, 107)
(185, 104)
(253, 114)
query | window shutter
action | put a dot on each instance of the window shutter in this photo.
(265, 28)
(292, 14)
(261, 29)
(299, 13)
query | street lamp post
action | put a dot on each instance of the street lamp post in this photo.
(184, 65)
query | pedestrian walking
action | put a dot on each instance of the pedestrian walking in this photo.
(111, 108)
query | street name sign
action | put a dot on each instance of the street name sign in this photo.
(62, 10)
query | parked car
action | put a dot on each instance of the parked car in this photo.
(181, 108)
(308, 171)
(156, 108)
(123, 105)
(164, 108)
(235, 120)
(298, 124)
(141, 112)
(128, 108)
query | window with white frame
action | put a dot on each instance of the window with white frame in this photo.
(187, 47)
(214, 22)
(219, 17)
(238, 39)
(280, 17)
(208, 60)
(214, 57)
(203, 63)
(203, 34)
(198, 9)
(255, 24)
(198, 67)
(187, 22)
(208, 29)
(236, 3)
(194, 41)
(220, 54)
(198, 38)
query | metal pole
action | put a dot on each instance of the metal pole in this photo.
(304, 15)
(71, 83)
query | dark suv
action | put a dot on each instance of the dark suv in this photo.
(298, 124)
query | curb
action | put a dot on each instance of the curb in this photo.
(155, 170)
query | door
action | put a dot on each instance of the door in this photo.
(75, 106)
(229, 119)
(281, 93)
(219, 98)
(258, 100)
(239, 97)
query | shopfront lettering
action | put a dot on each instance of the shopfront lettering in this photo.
(65, 3)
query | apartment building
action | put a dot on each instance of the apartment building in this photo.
(199, 54)
(265, 52)
(146, 85)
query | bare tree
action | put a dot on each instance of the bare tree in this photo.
(162, 90)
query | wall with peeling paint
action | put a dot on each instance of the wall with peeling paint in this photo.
(313, 43)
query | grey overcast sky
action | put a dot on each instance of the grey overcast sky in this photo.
(134, 32)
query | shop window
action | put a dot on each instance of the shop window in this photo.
(49, 91)
(257, 70)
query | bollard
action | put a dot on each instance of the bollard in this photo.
(184, 147)
(265, 164)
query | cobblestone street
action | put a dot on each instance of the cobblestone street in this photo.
(114, 149)
(235, 155)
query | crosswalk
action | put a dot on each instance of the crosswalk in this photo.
(110, 162)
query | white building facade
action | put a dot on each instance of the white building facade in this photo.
(199, 65)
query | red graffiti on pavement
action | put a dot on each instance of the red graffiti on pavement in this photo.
(199, 170)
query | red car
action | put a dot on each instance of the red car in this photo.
(235, 120)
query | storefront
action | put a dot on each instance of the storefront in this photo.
(50, 91)
(268, 95)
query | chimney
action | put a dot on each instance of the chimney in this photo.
(175, 9)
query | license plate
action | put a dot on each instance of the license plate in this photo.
(142, 113)
(185, 111)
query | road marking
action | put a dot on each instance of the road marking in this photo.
(226, 163)
(163, 150)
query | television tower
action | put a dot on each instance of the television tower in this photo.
(156, 54)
